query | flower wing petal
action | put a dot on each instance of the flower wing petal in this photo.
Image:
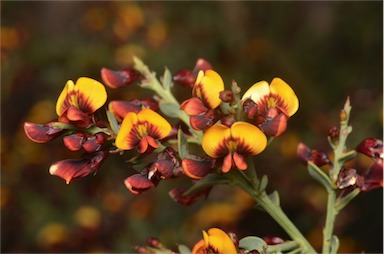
(280, 88)
(251, 140)
(126, 139)
(213, 141)
(157, 126)
(91, 94)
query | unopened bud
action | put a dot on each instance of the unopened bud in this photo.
(334, 132)
(226, 96)
(343, 115)
(154, 242)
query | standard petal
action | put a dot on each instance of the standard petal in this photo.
(126, 139)
(220, 241)
(208, 86)
(91, 94)
(213, 141)
(280, 88)
(157, 126)
(250, 139)
(257, 92)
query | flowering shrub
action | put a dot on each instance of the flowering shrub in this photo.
(229, 128)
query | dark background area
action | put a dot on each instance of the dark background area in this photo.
(326, 51)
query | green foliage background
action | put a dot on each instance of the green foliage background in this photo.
(325, 50)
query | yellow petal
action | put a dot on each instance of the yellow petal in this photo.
(157, 127)
(213, 141)
(210, 84)
(251, 140)
(125, 139)
(280, 88)
(63, 100)
(91, 94)
(220, 241)
(257, 92)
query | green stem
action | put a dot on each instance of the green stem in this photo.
(288, 245)
(274, 211)
(329, 222)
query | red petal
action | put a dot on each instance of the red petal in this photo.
(197, 169)
(138, 183)
(74, 142)
(193, 106)
(227, 163)
(72, 169)
(204, 121)
(185, 78)
(276, 126)
(371, 147)
(119, 79)
(177, 194)
(41, 133)
(239, 161)
(202, 65)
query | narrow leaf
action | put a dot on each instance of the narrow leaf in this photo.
(182, 145)
(251, 243)
(113, 122)
(341, 203)
(335, 243)
(170, 109)
(207, 181)
(167, 79)
(319, 175)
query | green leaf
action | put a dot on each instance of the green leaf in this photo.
(182, 145)
(341, 203)
(167, 79)
(208, 181)
(263, 183)
(253, 243)
(184, 249)
(335, 243)
(113, 122)
(319, 176)
(170, 109)
(274, 197)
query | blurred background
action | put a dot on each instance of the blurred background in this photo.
(325, 50)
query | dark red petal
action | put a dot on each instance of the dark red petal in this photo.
(202, 65)
(204, 121)
(250, 108)
(371, 147)
(348, 177)
(185, 78)
(72, 169)
(318, 157)
(226, 96)
(274, 127)
(92, 145)
(75, 114)
(193, 106)
(41, 133)
(119, 79)
(138, 183)
(273, 240)
(164, 168)
(374, 178)
(75, 141)
(177, 194)
(198, 168)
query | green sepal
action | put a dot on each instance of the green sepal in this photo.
(275, 198)
(341, 203)
(182, 145)
(113, 122)
(208, 181)
(167, 79)
(250, 243)
(183, 249)
(170, 109)
(319, 176)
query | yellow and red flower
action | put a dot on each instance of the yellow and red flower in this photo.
(77, 102)
(233, 144)
(206, 98)
(270, 106)
(215, 241)
(141, 130)
(121, 108)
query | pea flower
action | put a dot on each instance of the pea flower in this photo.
(187, 78)
(202, 107)
(270, 106)
(119, 79)
(121, 108)
(141, 130)
(233, 143)
(215, 241)
(77, 102)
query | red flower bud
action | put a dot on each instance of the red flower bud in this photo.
(42, 133)
(226, 96)
(319, 158)
(119, 79)
(371, 147)
(75, 141)
(138, 183)
(334, 133)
